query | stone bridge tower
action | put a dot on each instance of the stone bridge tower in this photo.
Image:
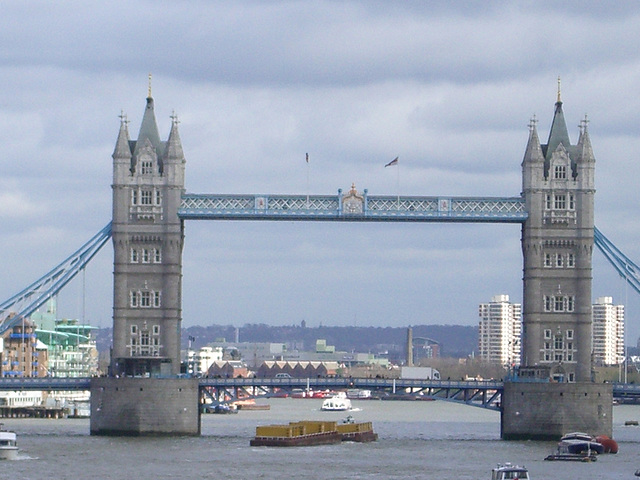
(557, 245)
(148, 181)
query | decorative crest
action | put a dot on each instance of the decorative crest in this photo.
(559, 90)
(149, 95)
(533, 123)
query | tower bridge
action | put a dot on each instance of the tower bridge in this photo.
(150, 205)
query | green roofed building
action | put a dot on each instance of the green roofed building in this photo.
(70, 345)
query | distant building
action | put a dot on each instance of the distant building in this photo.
(71, 347)
(253, 353)
(499, 333)
(199, 361)
(21, 355)
(303, 369)
(228, 369)
(608, 332)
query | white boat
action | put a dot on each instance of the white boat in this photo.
(508, 471)
(357, 393)
(337, 403)
(8, 445)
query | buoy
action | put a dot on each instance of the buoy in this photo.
(609, 444)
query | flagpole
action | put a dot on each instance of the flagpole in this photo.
(395, 163)
(307, 181)
(398, 184)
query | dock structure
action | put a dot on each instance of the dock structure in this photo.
(33, 412)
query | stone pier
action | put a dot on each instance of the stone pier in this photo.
(145, 406)
(546, 411)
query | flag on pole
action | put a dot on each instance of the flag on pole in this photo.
(392, 162)
(307, 158)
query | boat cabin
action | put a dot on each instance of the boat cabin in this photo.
(509, 472)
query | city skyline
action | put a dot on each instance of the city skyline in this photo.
(354, 85)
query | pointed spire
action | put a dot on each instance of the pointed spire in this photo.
(585, 151)
(533, 152)
(174, 144)
(558, 101)
(558, 133)
(149, 127)
(123, 150)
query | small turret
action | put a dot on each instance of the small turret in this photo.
(122, 150)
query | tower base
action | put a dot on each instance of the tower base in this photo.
(144, 406)
(546, 411)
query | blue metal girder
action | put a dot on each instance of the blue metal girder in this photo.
(486, 394)
(374, 208)
(24, 303)
(625, 267)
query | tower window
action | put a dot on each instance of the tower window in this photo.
(558, 344)
(560, 172)
(134, 255)
(145, 197)
(146, 255)
(156, 329)
(560, 202)
(157, 255)
(145, 299)
(133, 299)
(547, 303)
(147, 167)
(156, 299)
(548, 202)
(559, 260)
(572, 202)
(569, 333)
(547, 260)
(570, 301)
(571, 260)
(158, 197)
(558, 304)
(134, 197)
(547, 334)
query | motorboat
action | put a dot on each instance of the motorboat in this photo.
(579, 443)
(358, 393)
(507, 471)
(337, 403)
(576, 447)
(8, 444)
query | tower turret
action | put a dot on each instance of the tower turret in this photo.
(147, 238)
(557, 244)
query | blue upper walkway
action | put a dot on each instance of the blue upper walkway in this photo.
(365, 208)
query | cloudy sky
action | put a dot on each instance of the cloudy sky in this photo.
(448, 88)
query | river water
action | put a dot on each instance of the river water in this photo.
(417, 440)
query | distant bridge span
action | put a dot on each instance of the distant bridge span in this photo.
(486, 394)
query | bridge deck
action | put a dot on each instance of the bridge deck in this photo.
(373, 208)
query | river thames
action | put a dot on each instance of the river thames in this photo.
(417, 440)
